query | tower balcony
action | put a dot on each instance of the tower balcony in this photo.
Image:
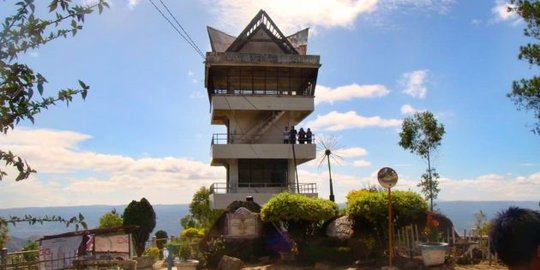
(270, 147)
(221, 194)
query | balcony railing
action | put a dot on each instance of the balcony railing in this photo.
(224, 138)
(301, 188)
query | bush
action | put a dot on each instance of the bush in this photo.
(302, 216)
(372, 206)
(161, 238)
(192, 234)
(296, 207)
(153, 252)
(369, 208)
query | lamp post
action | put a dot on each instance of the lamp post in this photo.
(388, 178)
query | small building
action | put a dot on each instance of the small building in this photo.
(259, 83)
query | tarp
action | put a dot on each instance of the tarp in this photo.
(58, 253)
(112, 243)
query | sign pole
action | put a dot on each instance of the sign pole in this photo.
(388, 178)
(389, 228)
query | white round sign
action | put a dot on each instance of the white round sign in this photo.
(387, 177)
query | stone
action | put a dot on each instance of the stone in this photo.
(230, 263)
(341, 228)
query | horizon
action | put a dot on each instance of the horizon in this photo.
(144, 129)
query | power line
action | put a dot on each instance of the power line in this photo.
(191, 43)
(183, 30)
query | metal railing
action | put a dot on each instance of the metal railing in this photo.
(301, 188)
(224, 138)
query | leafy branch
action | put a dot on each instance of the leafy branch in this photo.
(18, 82)
(78, 221)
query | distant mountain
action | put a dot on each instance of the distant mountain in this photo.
(15, 243)
(462, 212)
(167, 218)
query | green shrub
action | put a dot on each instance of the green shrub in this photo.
(296, 207)
(192, 234)
(372, 206)
(302, 216)
(152, 252)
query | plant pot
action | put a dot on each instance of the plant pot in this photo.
(433, 253)
(186, 265)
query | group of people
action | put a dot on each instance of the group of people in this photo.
(290, 136)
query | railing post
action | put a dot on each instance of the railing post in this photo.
(3, 258)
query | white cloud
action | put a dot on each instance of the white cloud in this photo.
(133, 3)
(414, 83)
(501, 14)
(361, 163)
(408, 109)
(335, 121)
(115, 179)
(352, 152)
(348, 92)
(291, 16)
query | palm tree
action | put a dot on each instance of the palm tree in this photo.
(329, 146)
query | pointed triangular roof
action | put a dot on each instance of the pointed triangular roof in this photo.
(262, 26)
(219, 41)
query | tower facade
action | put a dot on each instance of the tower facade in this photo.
(259, 83)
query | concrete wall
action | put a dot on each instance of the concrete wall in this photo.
(262, 102)
(304, 152)
(221, 201)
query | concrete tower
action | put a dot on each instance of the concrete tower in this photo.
(259, 83)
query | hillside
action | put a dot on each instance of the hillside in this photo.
(168, 216)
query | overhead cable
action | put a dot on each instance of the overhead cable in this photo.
(186, 38)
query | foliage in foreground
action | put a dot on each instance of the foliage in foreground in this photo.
(19, 83)
(526, 92)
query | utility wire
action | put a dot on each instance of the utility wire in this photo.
(183, 30)
(193, 45)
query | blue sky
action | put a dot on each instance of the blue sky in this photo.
(144, 129)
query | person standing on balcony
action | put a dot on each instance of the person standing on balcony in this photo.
(309, 136)
(301, 136)
(292, 137)
(286, 135)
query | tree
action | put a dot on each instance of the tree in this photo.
(25, 31)
(3, 233)
(526, 92)
(201, 215)
(421, 134)
(110, 219)
(140, 214)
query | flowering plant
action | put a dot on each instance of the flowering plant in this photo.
(431, 230)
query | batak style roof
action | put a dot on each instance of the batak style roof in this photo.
(263, 31)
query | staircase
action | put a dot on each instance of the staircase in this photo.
(255, 133)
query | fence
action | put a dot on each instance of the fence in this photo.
(31, 259)
(407, 239)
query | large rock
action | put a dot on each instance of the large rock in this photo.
(341, 228)
(230, 263)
